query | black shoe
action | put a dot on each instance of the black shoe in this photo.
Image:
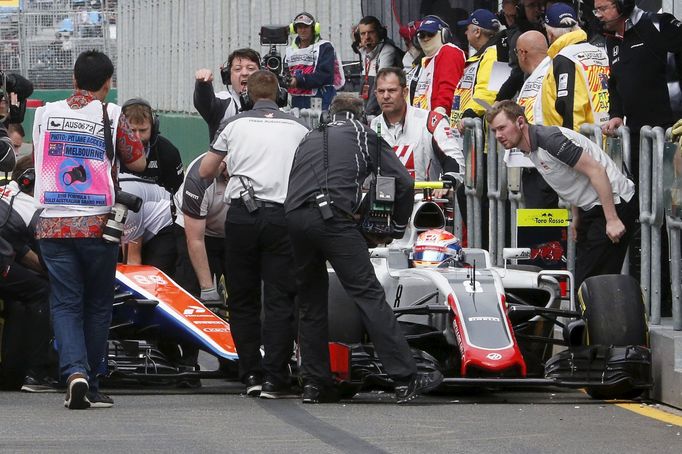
(253, 384)
(272, 391)
(39, 385)
(420, 383)
(315, 394)
(99, 400)
(76, 389)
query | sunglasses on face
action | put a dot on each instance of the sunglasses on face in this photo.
(422, 35)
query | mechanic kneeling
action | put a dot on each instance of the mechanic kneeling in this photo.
(321, 205)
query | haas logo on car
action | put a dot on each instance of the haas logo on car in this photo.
(494, 356)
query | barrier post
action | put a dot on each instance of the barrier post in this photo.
(516, 201)
(497, 193)
(672, 196)
(473, 177)
(651, 217)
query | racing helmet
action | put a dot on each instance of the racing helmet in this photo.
(435, 247)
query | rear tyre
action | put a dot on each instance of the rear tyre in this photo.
(614, 314)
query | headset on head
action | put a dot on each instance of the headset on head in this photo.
(154, 117)
(281, 100)
(26, 179)
(625, 7)
(316, 25)
(446, 34)
(380, 28)
(226, 68)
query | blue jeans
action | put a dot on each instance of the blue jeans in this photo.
(326, 93)
(82, 274)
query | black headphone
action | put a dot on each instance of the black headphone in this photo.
(446, 33)
(226, 68)
(247, 104)
(380, 28)
(26, 179)
(625, 7)
(154, 117)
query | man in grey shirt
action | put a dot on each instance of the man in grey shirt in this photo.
(603, 198)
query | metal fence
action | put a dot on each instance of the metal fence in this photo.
(163, 42)
(42, 39)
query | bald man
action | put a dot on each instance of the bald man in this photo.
(531, 50)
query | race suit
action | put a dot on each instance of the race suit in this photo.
(424, 142)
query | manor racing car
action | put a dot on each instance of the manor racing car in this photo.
(495, 327)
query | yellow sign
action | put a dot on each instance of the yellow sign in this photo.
(9, 3)
(556, 217)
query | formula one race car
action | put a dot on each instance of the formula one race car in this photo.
(154, 320)
(494, 327)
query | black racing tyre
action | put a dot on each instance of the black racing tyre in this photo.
(614, 313)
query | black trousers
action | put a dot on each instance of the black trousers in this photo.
(595, 253)
(257, 248)
(337, 240)
(184, 271)
(27, 331)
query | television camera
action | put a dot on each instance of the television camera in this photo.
(273, 36)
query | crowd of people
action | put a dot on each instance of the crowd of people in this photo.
(271, 202)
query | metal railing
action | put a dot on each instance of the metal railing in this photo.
(498, 195)
(473, 178)
(651, 217)
(672, 194)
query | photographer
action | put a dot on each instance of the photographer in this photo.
(322, 206)
(215, 108)
(259, 147)
(78, 200)
(24, 288)
(313, 64)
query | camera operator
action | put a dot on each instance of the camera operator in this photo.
(200, 232)
(148, 233)
(164, 164)
(323, 200)
(259, 145)
(215, 108)
(313, 64)
(24, 288)
(76, 188)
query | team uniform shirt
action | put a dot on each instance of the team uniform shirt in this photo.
(200, 198)
(352, 156)
(532, 87)
(483, 76)
(576, 88)
(155, 213)
(73, 174)
(437, 78)
(260, 146)
(18, 215)
(555, 150)
(638, 88)
(215, 108)
(424, 143)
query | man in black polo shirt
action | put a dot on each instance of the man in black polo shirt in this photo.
(260, 146)
(335, 161)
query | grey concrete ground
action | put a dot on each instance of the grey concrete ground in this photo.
(218, 418)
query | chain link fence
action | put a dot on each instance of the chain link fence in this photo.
(41, 39)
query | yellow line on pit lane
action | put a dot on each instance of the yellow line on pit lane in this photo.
(653, 413)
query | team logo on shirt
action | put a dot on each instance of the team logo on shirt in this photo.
(406, 155)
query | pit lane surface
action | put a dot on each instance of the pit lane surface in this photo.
(219, 418)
